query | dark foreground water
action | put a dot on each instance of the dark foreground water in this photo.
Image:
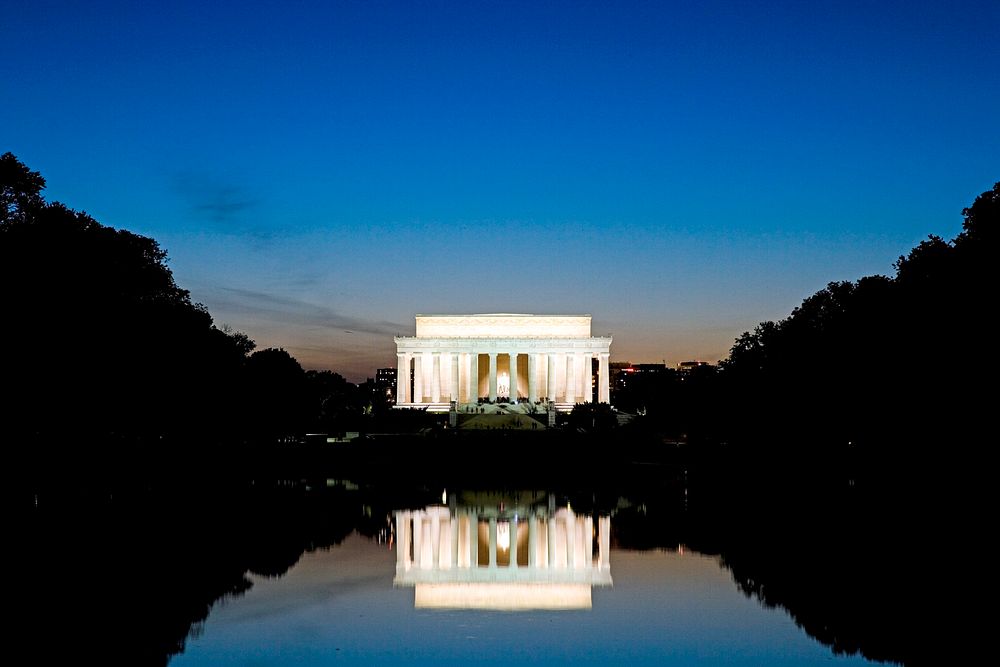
(339, 606)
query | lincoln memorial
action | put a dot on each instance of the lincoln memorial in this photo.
(517, 358)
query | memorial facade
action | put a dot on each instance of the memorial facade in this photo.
(534, 358)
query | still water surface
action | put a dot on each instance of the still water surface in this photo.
(339, 605)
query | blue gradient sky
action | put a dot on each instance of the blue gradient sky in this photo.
(679, 170)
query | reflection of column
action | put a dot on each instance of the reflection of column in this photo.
(551, 532)
(570, 540)
(493, 376)
(532, 377)
(604, 542)
(588, 541)
(436, 379)
(604, 392)
(493, 542)
(454, 376)
(580, 560)
(550, 377)
(435, 542)
(532, 539)
(402, 375)
(474, 377)
(571, 378)
(418, 378)
(418, 536)
(513, 542)
(427, 547)
(473, 539)
(513, 377)
(444, 540)
(401, 540)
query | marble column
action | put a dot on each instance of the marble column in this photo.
(402, 377)
(532, 378)
(474, 377)
(428, 376)
(550, 376)
(571, 395)
(588, 378)
(436, 379)
(493, 376)
(418, 378)
(513, 377)
(454, 377)
(604, 386)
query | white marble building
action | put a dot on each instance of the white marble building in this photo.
(463, 358)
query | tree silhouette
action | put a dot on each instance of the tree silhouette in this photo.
(276, 388)
(99, 340)
(20, 189)
(880, 361)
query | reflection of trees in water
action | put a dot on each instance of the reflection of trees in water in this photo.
(856, 596)
(851, 566)
(130, 578)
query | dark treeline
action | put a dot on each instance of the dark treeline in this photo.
(874, 364)
(879, 360)
(101, 345)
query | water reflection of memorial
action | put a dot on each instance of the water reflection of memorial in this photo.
(486, 551)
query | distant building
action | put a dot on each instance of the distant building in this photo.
(617, 373)
(385, 382)
(625, 373)
(687, 367)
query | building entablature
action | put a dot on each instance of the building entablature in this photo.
(483, 345)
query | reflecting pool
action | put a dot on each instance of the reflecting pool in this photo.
(491, 578)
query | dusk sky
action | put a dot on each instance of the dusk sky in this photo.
(321, 172)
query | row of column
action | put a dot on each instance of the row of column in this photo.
(434, 384)
(435, 540)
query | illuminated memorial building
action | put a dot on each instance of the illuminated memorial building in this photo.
(483, 553)
(531, 359)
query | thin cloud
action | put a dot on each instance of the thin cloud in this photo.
(223, 203)
(294, 311)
